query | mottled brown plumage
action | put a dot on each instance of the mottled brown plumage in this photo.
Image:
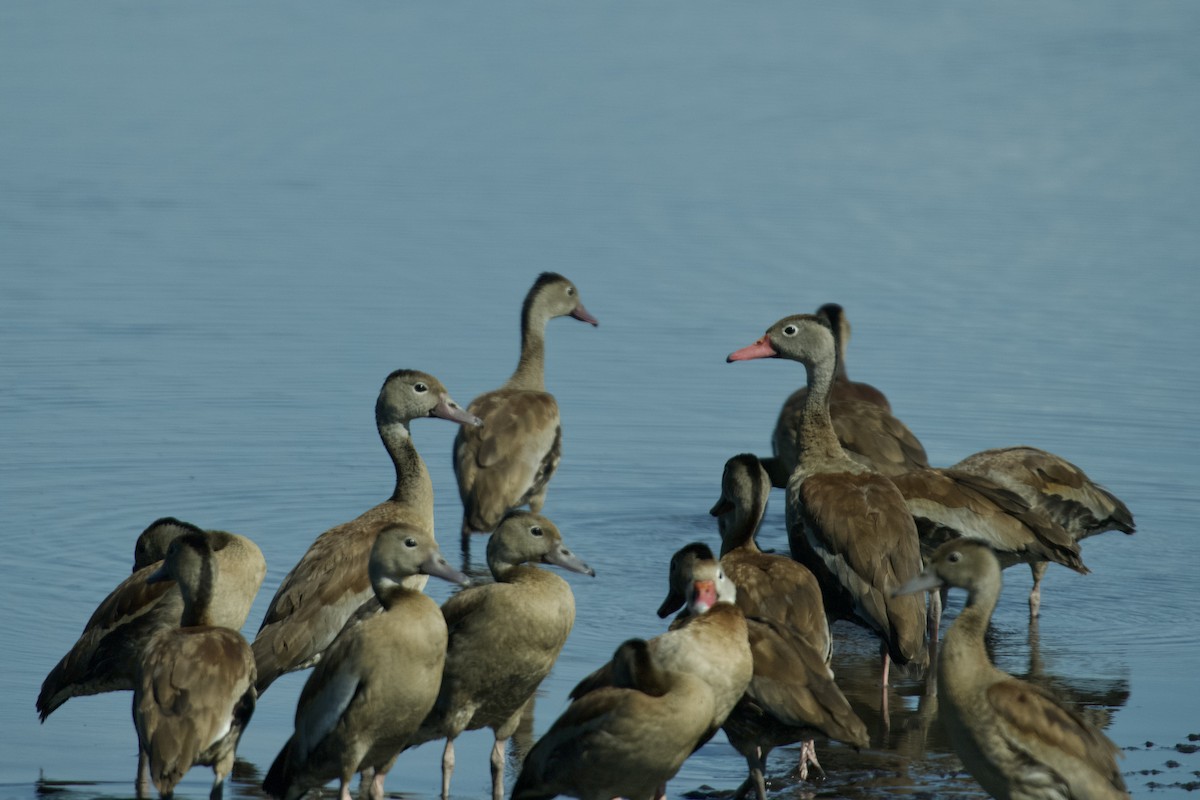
(504, 639)
(1056, 488)
(949, 503)
(846, 522)
(508, 462)
(194, 684)
(103, 659)
(791, 696)
(622, 740)
(1015, 738)
(366, 697)
(769, 585)
(331, 581)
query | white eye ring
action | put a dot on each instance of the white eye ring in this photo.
(790, 330)
(420, 388)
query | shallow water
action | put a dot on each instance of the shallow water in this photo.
(224, 225)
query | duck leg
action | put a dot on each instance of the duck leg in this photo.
(498, 768)
(1035, 594)
(808, 755)
(447, 768)
(142, 784)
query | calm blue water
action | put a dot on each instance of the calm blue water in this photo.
(222, 225)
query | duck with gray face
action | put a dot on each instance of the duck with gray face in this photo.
(846, 522)
(367, 696)
(504, 638)
(508, 463)
(330, 582)
(1016, 738)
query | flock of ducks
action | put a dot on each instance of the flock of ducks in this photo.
(871, 527)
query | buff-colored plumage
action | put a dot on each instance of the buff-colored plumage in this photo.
(103, 658)
(625, 739)
(378, 680)
(194, 688)
(504, 639)
(508, 462)
(331, 580)
(1017, 740)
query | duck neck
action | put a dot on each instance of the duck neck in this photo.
(738, 532)
(393, 593)
(413, 485)
(964, 640)
(198, 599)
(530, 374)
(817, 437)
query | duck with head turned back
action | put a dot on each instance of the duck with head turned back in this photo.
(791, 694)
(626, 739)
(846, 522)
(105, 656)
(508, 462)
(1017, 740)
(331, 580)
(1055, 487)
(504, 639)
(769, 585)
(365, 699)
(194, 692)
(709, 640)
(861, 415)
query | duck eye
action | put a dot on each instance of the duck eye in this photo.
(570, 291)
(954, 557)
(790, 330)
(420, 388)
(535, 530)
(410, 542)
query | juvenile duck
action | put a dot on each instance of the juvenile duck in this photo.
(365, 699)
(194, 690)
(509, 461)
(769, 585)
(1058, 489)
(1015, 738)
(103, 658)
(622, 740)
(332, 581)
(504, 639)
(791, 694)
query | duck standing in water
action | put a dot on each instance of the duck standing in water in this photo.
(1015, 738)
(846, 522)
(508, 462)
(331, 581)
(378, 679)
(504, 639)
(194, 692)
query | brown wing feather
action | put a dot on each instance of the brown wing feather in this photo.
(510, 458)
(315, 600)
(793, 684)
(865, 546)
(1033, 717)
